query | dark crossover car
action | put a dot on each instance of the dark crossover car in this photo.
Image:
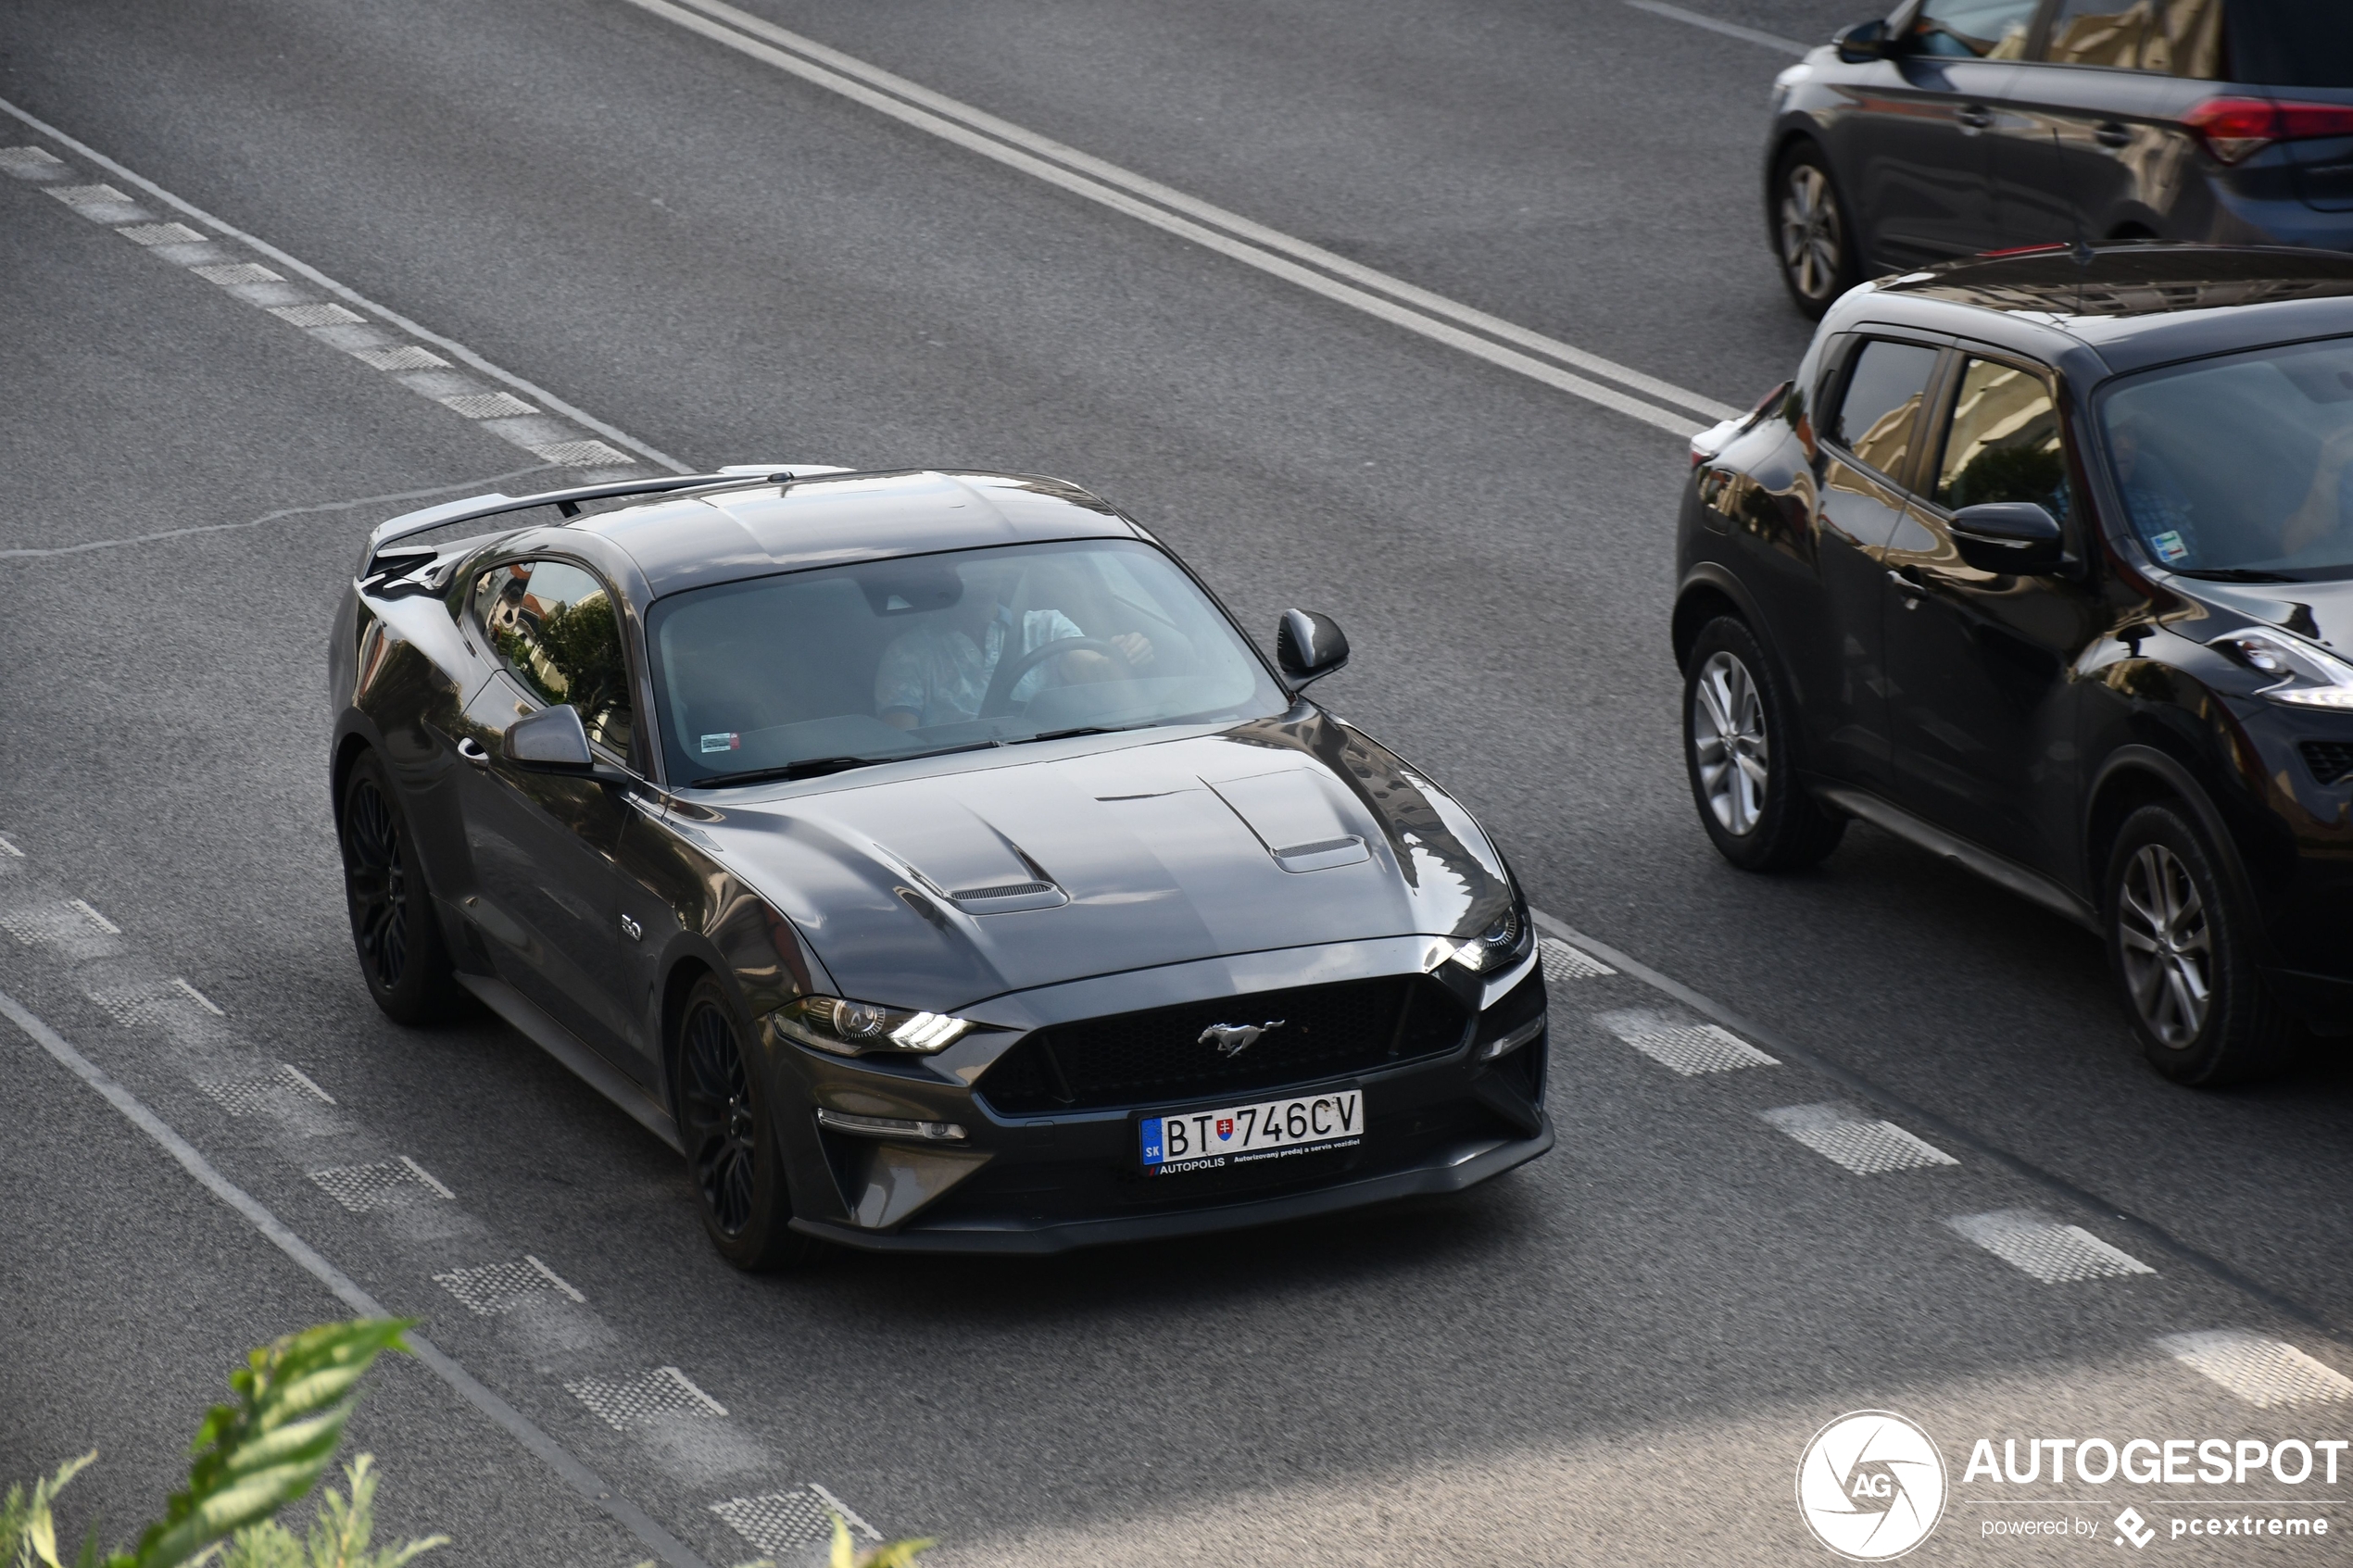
(929, 856)
(1958, 126)
(2045, 562)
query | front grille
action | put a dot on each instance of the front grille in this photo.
(2331, 760)
(1141, 1059)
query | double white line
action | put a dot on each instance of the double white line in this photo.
(1491, 338)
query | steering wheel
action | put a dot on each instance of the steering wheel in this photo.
(1002, 684)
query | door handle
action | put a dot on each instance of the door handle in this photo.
(471, 749)
(1977, 117)
(1913, 592)
(2113, 134)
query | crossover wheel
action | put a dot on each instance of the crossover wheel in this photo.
(1813, 239)
(402, 954)
(732, 1154)
(2181, 945)
(1739, 745)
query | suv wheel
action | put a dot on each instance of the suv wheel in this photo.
(1739, 746)
(2181, 945)
(393, 924)
(732, 1149)
(1815, 242)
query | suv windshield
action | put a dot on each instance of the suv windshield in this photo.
(2241, 465)
(814, 671)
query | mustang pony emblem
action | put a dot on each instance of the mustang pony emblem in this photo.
(1232, 1039)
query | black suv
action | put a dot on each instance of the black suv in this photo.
(1958, 126)
(2045, 562)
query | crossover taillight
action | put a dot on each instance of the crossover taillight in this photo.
(2234, 128)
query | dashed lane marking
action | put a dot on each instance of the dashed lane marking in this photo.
(1730, 30)
(326, 314)
(783, 1522)
(161, 234)
(32, 163)
(9, 850)
(494, 1288)
(1857, 1139)
(1687, 1049)
(60, 928)
(1563, 962)
(214, 1008)
(625, 1402)
(243, 1096)
(2053, 1252)
(2263, 1371)
(387, 1184)
(94, 918)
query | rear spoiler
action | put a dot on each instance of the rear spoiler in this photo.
(408, 524)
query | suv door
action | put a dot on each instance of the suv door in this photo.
(1979, 663)
(1916, 135)
(544, 844)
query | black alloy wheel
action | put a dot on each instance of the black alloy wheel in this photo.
(398, 937)
(2181, 943)
(1812, 238)
(1740, 747)
(731, 1152)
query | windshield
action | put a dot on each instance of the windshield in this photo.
(2243, 465)
(887, 659)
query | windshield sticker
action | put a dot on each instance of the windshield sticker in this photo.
(2168, 546)
(727, 741)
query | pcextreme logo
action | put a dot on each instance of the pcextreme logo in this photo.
(1871, 1486)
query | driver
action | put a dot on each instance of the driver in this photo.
(938, 672)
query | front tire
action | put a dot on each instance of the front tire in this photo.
(733, 1156)
(1740, 748)
(1812, 237)
(394, 928)
(2182, 943)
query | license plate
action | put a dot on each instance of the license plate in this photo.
(1268, 1129)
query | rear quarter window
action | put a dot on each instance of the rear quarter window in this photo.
(2290, 42)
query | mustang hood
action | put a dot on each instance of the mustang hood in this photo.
(939, 890)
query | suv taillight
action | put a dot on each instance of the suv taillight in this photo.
(2233, 127)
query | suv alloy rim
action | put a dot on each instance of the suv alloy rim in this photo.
(376, 882)
(1810, 236)
(719, 1118)
(2167, 943)
(1728, 743)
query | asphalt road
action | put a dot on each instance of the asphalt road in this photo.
(1614, 1355)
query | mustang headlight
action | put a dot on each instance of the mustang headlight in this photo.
(2303, 675)
(1504, 940)
(848, 1028)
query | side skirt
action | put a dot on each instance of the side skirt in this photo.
(573, 1052)
(1999, 869)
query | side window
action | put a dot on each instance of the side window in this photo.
(1882, 401)
(1985, 30)
(2004, 443)
(2177, 38)
(554, 625)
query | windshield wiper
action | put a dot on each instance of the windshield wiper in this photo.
(2237, 575)
(817, 766)
(1082, 730)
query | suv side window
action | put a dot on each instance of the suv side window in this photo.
(1984, 29)
(553, 624)
(2002, 443)
(1885, 383)
(2182, 37)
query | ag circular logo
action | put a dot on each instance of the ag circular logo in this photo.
(1871, 1486)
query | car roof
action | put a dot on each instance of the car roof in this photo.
(2141, 304)
(754, 529)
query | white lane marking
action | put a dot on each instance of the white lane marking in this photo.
(1856, 1139)
(493, 1288)
(238, 272)
(497, 405)
(1730, 30)
(32, 163)
(352, 296)
(2055, 1253)
(91, 199)
(1564, 962)
(162, 234)
(278, 1092)
(61, 928)
(321, 315)
(387, 1184)
(469, 486)
(580, 454)
(2262, 1371)
(299, 1076)
(1686, 1049)
(625, 1402)
(1213, 228)
(584, 1481)
(784, 1522)
(9, 850)
(94, 918)
(407, 356)
(213, 1008)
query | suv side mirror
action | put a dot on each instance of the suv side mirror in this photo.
(1864, 42)
(1309, 646)
(550, 741)
(2009, 536)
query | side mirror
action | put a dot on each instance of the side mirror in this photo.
(1864, 41)
(1309, 646)
(2009, 536)
(550, 741)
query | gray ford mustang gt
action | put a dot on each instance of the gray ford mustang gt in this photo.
(928, 857)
